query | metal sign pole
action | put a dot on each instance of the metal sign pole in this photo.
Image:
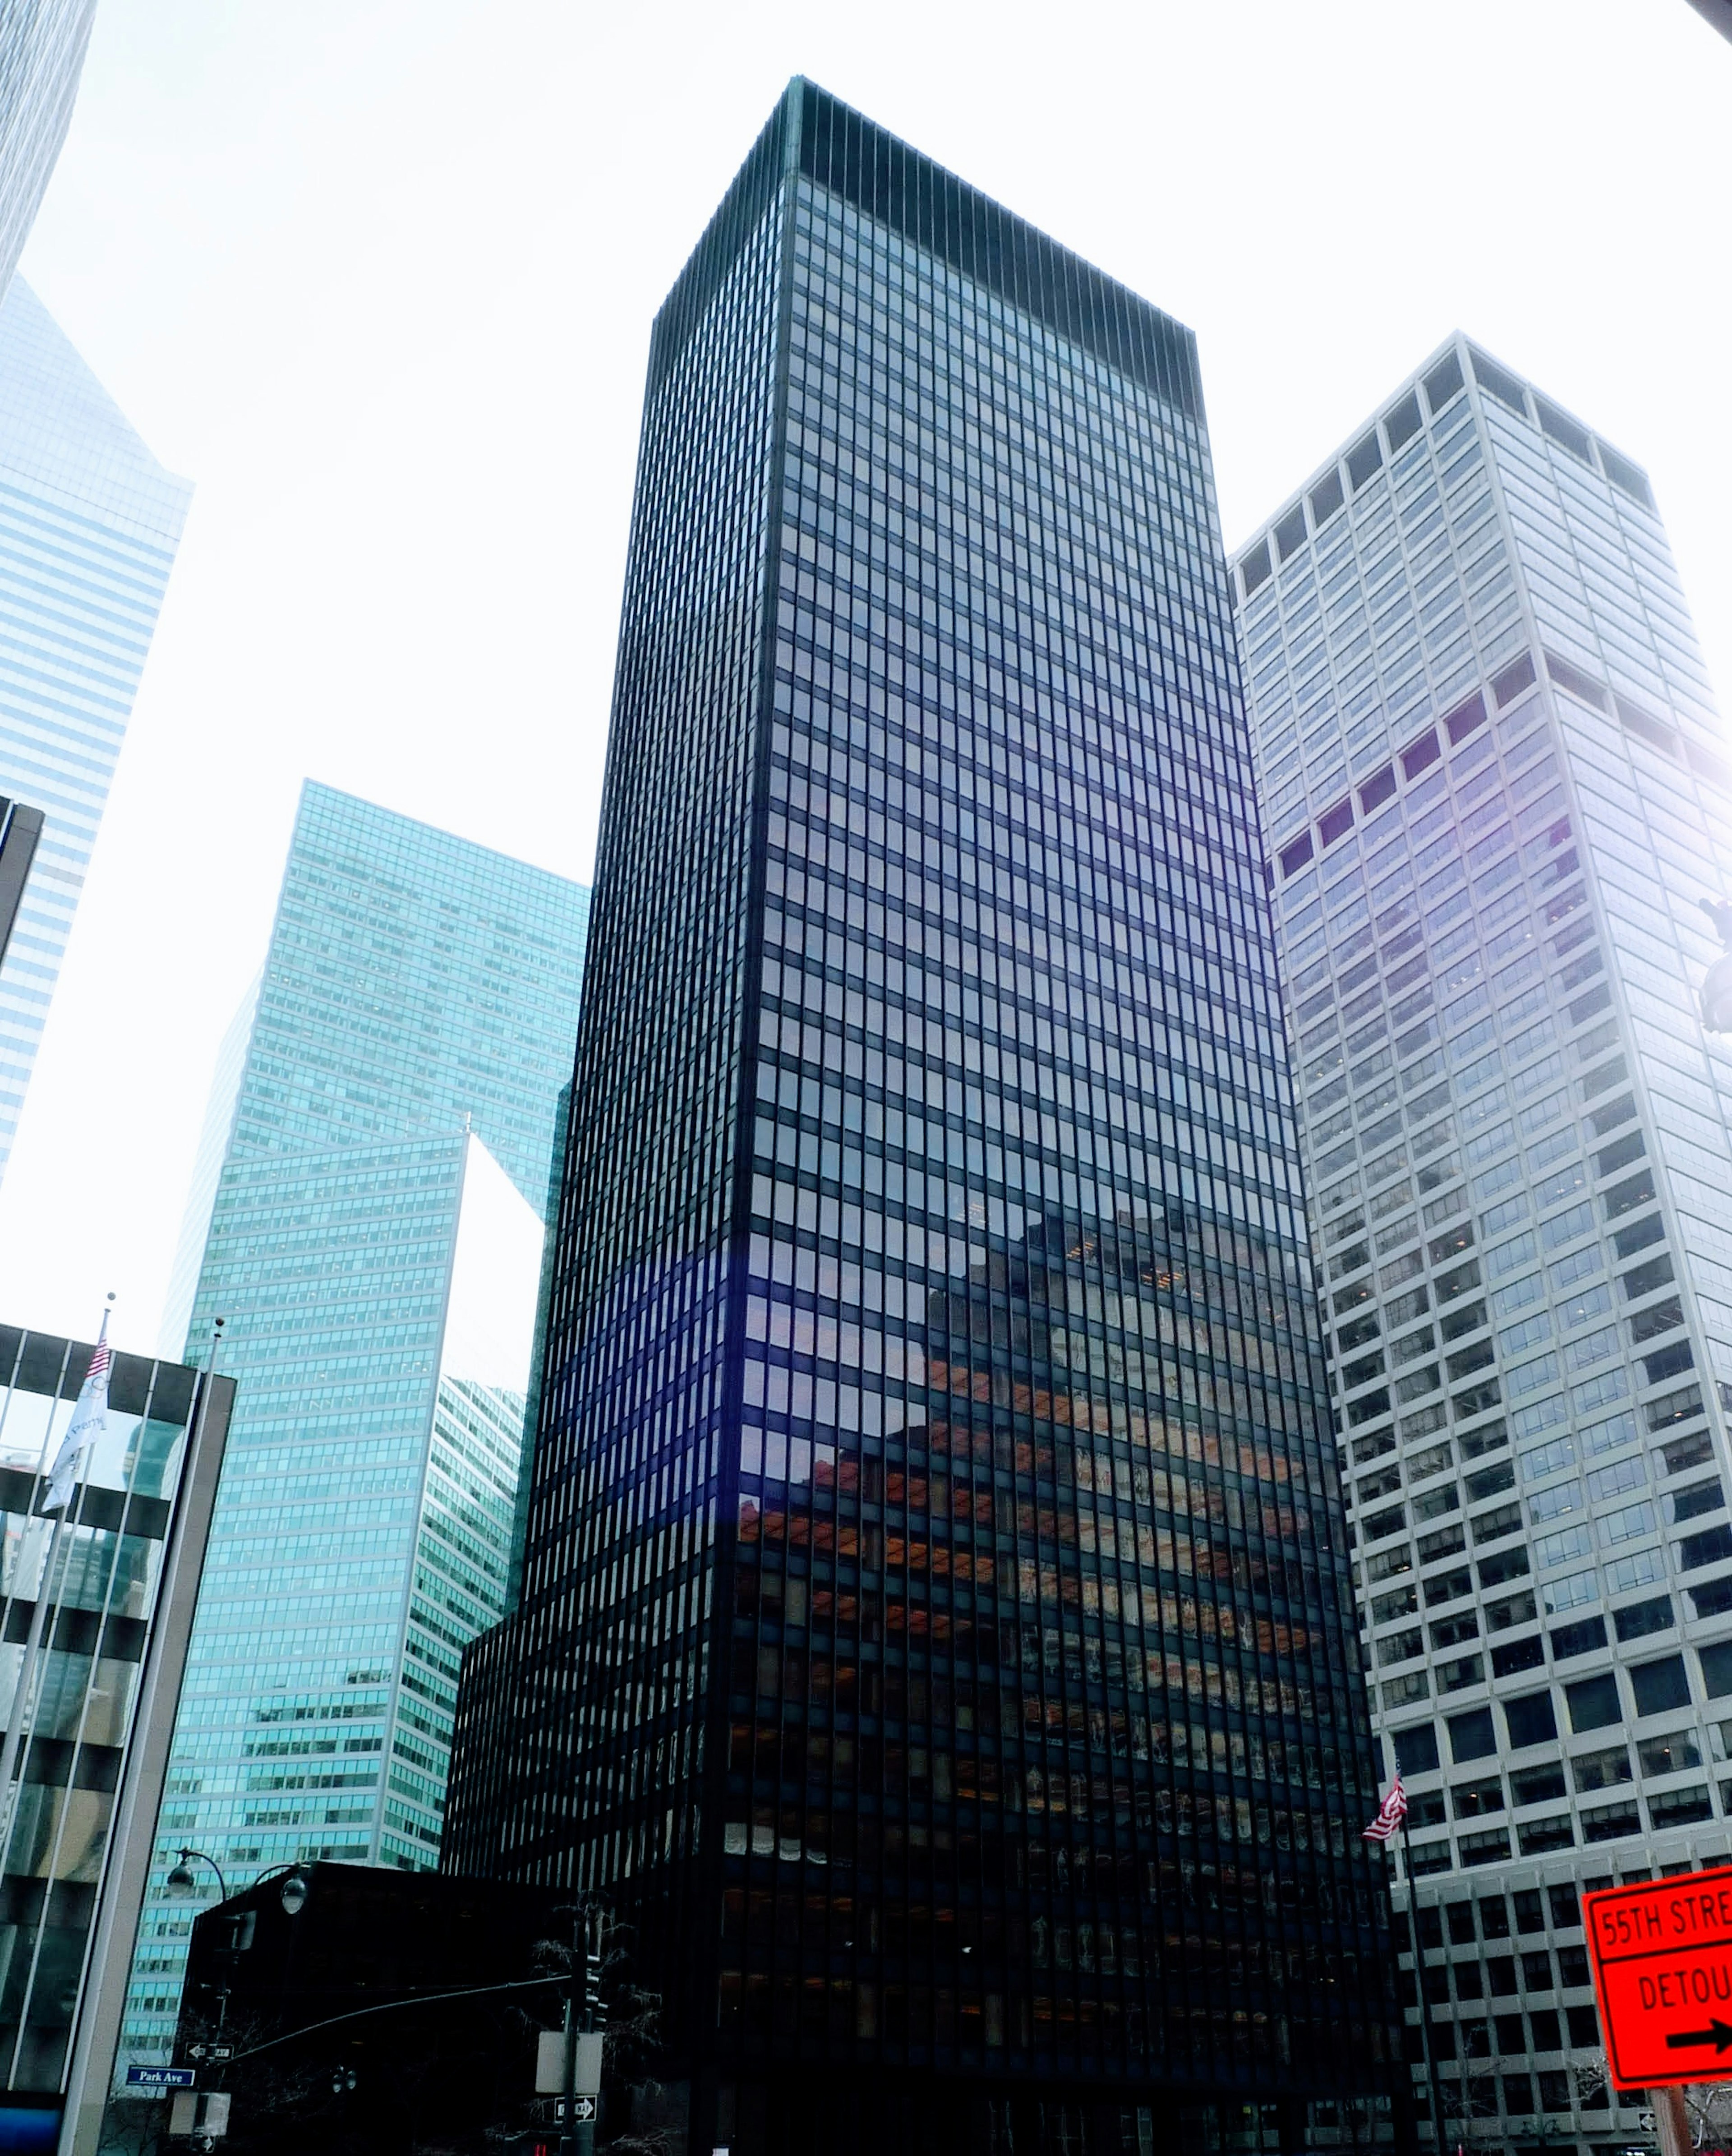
(1672, 2121)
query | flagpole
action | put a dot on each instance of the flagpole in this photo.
(1425, 2016)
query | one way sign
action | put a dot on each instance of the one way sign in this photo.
(1662, 1953)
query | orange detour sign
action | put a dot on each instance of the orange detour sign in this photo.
(1663, 1968)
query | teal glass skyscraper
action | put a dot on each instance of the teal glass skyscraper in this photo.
(90, 522)
(372, 1234)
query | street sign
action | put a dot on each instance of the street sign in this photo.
(215, 2051)
(161, 2078)
(1662, 1953)
(583, 2107)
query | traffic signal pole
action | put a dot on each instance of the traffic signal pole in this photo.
(583, 2017)
(570, 2142)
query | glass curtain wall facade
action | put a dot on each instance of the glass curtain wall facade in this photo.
(374, 1244)
(43, 44)
(935, 1627)
(88, 527)
(1497, 792)
(104, 1576)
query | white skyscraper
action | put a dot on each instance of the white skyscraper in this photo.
(41, 56)
(1496, 793)
(90, 522)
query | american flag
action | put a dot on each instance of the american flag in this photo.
(88, 1423)
(1390, 1813)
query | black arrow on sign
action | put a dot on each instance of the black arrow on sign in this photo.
(1717, 2033)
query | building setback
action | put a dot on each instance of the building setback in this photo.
(1497, 792)
(934, 1625)
(368, 1218)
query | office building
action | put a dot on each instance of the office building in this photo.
(89, 523)
(20, 829)
(1717, 11)
(41, 56)
(934, 1624)
(95, 1615)
(374, 1244)
(1496, 793)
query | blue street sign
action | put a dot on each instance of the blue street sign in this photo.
(161, 2078)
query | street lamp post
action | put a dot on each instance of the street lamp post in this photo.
(181, 1882)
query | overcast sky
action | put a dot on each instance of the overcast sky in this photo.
(378, 276)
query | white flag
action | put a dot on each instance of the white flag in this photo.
(89, 1421)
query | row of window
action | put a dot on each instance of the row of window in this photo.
(1400, 424)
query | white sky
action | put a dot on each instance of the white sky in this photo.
(378, 275)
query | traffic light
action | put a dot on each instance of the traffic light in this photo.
(592, 1982)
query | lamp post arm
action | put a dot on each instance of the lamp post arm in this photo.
(389, 2005)
(222, 1883)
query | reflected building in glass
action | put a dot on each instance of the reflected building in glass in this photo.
(1497, 793)
(935, 1627)
(87, 1696)
(368, 1216)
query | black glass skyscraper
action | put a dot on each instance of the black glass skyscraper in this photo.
(935, 1628)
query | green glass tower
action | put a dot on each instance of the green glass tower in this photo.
(367, 1218)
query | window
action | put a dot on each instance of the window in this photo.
(1585, 1637)
(1639, 1619)
(1325, 499)
(1537, 1786)
(1660, 1685)
(1418, 754)
(1699, 1498)
(1376, 789)
(1531, 1720)
(1472, 1736)
(1403, 423)
(1364, 460)
(1416, 1748)
(1500, 382)
(1465, 717)
(1290, 532)
(1671, 1754)
(1516, 677)
(1600, 1770)
(1294, 857)
(1626, 477)
(1254, 569)
(1442, 383)
(1716, 1663)
(1581, 685)
(1335, 823)
(1593, 1702)
(1645, 728)
(1563, 428)
(1679, 1808)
